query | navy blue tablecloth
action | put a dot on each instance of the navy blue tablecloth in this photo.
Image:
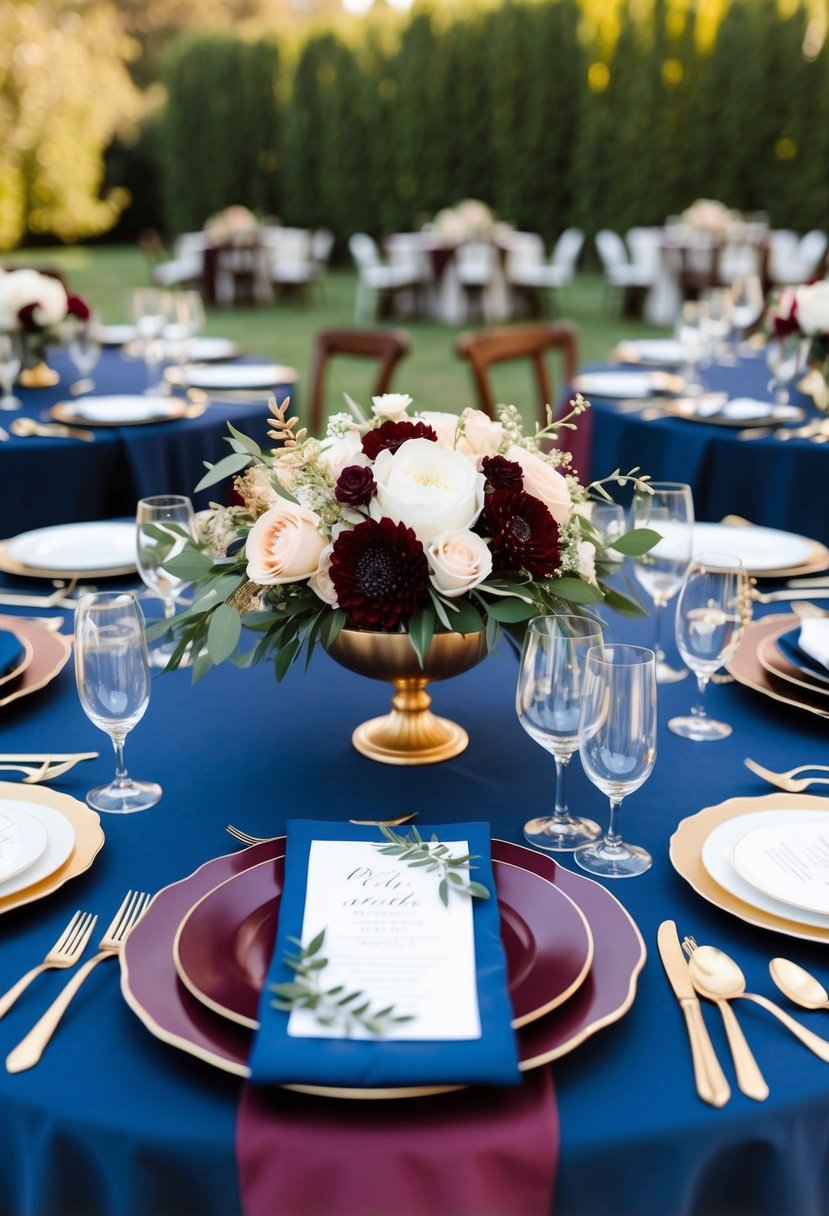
(116, 1123)
(47, 481)
(781, 484)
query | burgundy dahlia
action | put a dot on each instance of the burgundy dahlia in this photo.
(76, 307)
(355, 486)
(524, 535)
(380, 574)
(392, 434)
(502, 474)
(26, 317)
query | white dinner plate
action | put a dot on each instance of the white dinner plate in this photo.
(742, 411)
(116, 335)
(789, 862)
(717, 853)
(207, 349)
(125, 409)
(237, 375)
(626, 384)
(759, 549)
(22, 840)
(60, 841)
(665, 352)
(76, 547)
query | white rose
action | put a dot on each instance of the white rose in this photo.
(813, 307)
(543, 482)
(337, 453)
(481, 433)
(587, 561)
(320, 582)
(51, 302)
(23, 287)
(443, 424)
(429, 488)
(391, 407)
(459, 560)
(284, 545)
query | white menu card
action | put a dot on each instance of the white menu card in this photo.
(388, 934)
(789, 861)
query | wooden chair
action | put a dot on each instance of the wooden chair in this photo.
(387, 346)
(502, 344)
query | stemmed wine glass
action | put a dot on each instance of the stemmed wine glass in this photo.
(617, 747)
(11, 360)
(747, 303)
(690, 332)
(113, 681)
(185, 319)
(669, 510)
(709, 626)
(85, 350)
(164, 523)
(150, 307)
(548, 703)
(784, 358)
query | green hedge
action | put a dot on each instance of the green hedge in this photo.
(508, 104)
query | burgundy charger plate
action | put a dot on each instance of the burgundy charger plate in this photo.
(223, 946)
(50, 652)
(153, 990)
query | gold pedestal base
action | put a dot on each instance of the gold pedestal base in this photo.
(39, 376)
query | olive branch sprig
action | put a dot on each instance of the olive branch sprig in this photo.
(331, 1007)
(432, 855)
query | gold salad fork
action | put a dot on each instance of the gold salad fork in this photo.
(65, 953)
(29, 1050)
(784, 781)
(48, 770)
(246, 838)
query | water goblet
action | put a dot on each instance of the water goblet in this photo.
(113, 681)
(709, 626)
(617, 747)
(11, 360)
(85, 351)
(548, 703)
(164, 523)
(747, 303)
(669, 510)
(150, 309)
(608, 518)
(784, 359)
(185, 319)
(691, 333)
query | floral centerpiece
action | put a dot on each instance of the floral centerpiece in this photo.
(804, 312)
(45, 313)
(708, 215)
(470, 220)
(235, 223)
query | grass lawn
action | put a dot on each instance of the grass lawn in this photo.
(285, 331)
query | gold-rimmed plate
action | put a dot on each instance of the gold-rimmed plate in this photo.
(778, 666)
(686, 854)
(22, 662)
(50, 652)
(92, 549)
(120, 410)
(747, 669)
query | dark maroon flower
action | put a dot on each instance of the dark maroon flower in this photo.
(76, 307)
(355, 486)
(524, 535)
(785, 322)
(392, 434)
(503, 474)
(380, 574)
(26, 317)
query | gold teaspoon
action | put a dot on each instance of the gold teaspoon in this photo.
(798, 984)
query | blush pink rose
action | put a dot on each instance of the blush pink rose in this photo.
(284, 545)
(459, 561)
(543, 482)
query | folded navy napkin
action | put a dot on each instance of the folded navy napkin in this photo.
(11, 651)
(808, 647)
(279, 1058)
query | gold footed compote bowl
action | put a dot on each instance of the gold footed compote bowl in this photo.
(411, 733)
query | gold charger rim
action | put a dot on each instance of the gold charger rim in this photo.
(89, 839)
(768, 645)
(63, 649)
(64, 411)
(678, 409)
(764, 625)
(10, 565)
(685, 854)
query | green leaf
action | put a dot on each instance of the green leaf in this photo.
(189, 565)
(223, 468)
(443, 892)
(510, 610)
(246, 443)
(223, 633)
(315, 945)
(478, 890)
(284, 658)
(467, 618)
(623, 604)
(637, 542)
(331, 627)
(421, 631)
(576, 590)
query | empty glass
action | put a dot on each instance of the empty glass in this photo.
(617, 747)
(669, 510)
(164, 524)
(691, 333)
(548, 703)
(709, 626)
(150, 310)
(85, 350)
(747, 304)
(11, 361)
(784, 359)
(113, 681)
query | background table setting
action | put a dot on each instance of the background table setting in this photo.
(134, 1105)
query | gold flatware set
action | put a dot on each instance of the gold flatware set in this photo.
(40, 767)
(246, 838)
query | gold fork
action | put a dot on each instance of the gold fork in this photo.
(65, 953)
(784, 780)
(29, 1050)
(246, 838)
(47, 771)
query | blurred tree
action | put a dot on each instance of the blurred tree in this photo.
(64, 92)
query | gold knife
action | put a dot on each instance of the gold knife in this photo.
(711, 1084)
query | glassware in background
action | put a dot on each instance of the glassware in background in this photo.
(608, 518)
(784, 359)
(150, 310)
(185, 319)
(164, 523)
(669, 510)
(548, 704)
(11, 361)
(113, 681)
(747, 304)
(617, 747)
(690, 332)
(717, 325)
(709, 625)
(84, 349)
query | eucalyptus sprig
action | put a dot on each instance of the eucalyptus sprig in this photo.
(434, 856)
(331, 1007)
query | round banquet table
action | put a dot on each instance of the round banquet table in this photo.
(781, 484)
(46, 481)
(113, 1121)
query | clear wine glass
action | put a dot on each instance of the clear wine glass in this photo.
(690, 332)
(784, 358)
(163, 525)
(747, 303)
(11, 361)
(608, 518)
(185, 319)
(548, 703)
(150, 310)
(113, 681)
(85, 351)
(709, 626)
(669, 510)
(617, 747)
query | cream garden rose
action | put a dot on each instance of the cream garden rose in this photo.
(459, 561)
(429, 488)
(813, 307)
(391, 407)
(482, 435)
(543, 482)
(284, 545)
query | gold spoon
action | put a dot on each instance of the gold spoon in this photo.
(28, 426)
(723, 978)
(798, 984)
